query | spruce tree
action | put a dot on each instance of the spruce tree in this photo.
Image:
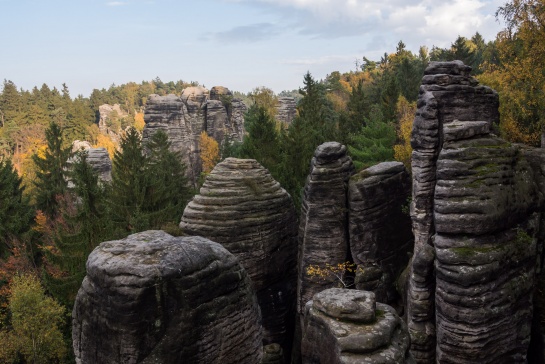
(51, 171)
(169, 189)
(130, 185)
(16, 214)
(262, 141)
(375, 141)
(85, 224)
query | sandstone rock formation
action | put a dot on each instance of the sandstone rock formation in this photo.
(243, 208)
(196, 110)
(349, 326)
(286, 110)
(98, 158)
(154, 298)
(323, 230)
(476, 211)
(106, 115)
(381, 239)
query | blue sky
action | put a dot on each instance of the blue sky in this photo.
(240, 44)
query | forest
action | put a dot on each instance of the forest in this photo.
(49, 226)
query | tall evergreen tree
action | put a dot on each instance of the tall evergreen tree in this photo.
(51, 171)
(84, 224)
(130, 183)
(375, 141)
(169, 187)
(16, 214)
(262, 141)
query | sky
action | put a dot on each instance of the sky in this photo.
(239, 44)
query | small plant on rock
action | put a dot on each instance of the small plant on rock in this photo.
(342, 272)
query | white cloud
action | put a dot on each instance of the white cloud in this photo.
(320, 60)
(116, 3)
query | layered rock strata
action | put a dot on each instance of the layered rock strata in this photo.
(243, 208)
(476, 212)
(379, 247)
(349, 326)
(286, 110)
(98, 159)
(323, 230)
(154, 298)
(184, 118)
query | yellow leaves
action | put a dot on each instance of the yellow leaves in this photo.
(210, 153)
(104, 141)
(342, 272)
(139, 121)
(35, 321)
(405, 116)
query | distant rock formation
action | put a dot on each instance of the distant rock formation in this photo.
(243, 208)
(323, 230)
(474, 213)
(98, 158)
(286, 110)
(154, 298)
(107, 116)
(184, 118)
(381, 240)
(349, 326)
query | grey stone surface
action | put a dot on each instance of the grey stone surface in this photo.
(243, 208)
(381, 337)
(154, 298)
(184, 118)
(381, 240)
(286, 110)
(323, 229)
(476, 209)
(98, 159)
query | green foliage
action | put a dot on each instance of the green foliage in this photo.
(374, 143)
(51, 171)
(84, 224)
(262, 141)
(169, 187)
(16, 214)
(35, 322)
(148, 189)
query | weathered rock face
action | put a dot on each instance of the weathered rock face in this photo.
(98, 159)
(476, 211)
(349, 326)
(243, 208)
(381, 239)
(154, 298)
(106, 114)
(286, 110)
(184, 118)
(323, 232)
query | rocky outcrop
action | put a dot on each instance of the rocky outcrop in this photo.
(154, 298)
(243, 208)
(476, 212)
(349, 326)
(286, 110)
(323, 232)
(107, 116)
(184, 118)
(98, 159)
(381, 239)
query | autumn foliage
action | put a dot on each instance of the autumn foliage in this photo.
(210, 152)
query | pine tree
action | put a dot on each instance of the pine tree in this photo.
(374, 143)
(84, 224)
(130, 184)
(262, 141)
(16, 214)
(169, 188)
(51, 171)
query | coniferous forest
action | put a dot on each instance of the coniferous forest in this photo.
(54, 210)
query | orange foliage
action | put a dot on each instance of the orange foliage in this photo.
(210, 153)
(405, 116)
(139, 121)
(104, 141)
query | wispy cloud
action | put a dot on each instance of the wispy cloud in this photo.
(245, 34)
(116, 3)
